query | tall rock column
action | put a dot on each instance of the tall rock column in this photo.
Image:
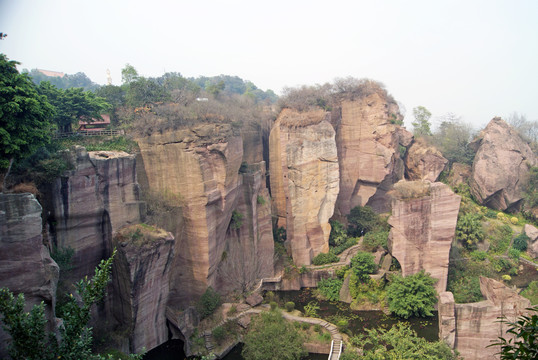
(304, 180)
(423, 223)
(25, 263)
(368, 152)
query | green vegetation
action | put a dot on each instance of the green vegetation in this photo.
(531, 192)
(469, 230)
(28, 330)
(363, 219)
(63, 257)
(311, 309)
(237, 220)
(25, 121)
(531, 292)
(421, 125)
(413, 295)
(268, 329)
(466, 289)
(374, 240)
(398, 342)
(370, 292)
(330, 288)
(99, 143)
(290, 306)
(362, 265)
(499, 238)
(351, 241)
(208, 303)
(521, 242)
(325, 258)
(452, 138)
(260, 200)
(338, 234)
(524, 344)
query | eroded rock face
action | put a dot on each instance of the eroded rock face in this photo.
(90, 203)
(501, 166)
(304, 180)
(532, 233)
(424, 162)
(368, 152)
(476, 325)
(423, 224)
(459, 174)
(25, 263)
(141, 284)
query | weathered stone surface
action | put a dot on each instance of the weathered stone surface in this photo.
(25, 263)
(304, 180)
(459, 174)
(423, 223)
(368, 152)
(447, 319)
(90, 203)
(532, 233)
(477, 324)
(501, 166)
(423, 161)
(141, 284)
(345, 294)
(254, 299)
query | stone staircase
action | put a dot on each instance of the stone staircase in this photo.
(336, 350)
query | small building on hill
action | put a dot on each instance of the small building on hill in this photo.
(95, 124)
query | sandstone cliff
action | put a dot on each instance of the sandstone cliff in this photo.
(470, 328)
(25, 264)
(423, 161)
(303, 164)
(141, 284)
(90, 203)
(368, 152)
(501, 166)
(423, 223)
(196, 171)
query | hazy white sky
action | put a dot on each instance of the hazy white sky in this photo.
(477, 59)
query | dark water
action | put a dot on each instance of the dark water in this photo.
(427, 328)
(235, 354)
(170, 350)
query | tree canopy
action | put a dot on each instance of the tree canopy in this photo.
(421, 125)
(25, 115)
(413, 295)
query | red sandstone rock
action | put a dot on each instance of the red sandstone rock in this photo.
(424, 162)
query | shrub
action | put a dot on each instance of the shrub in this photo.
(237, 220)
(325, 258)
(531, 292)
(311, 309)
(351, 241)
(514, 220)
(478, 255)
(523, 344)
(469, 230)
(373, 240)
(260, 200)
(506, 277)
(290, 306)
(63, 257)
(338, 234)
(362, 265)
(317, 328)
(413, 295)
(273, 305)
(514, 253)
(330, 288)
(208, 303)
(362, 220)
(342, 325)
(501, 264)
(521, 242)
(232, 311)
(466, 289)
(305, 325)
(219, 334)
(490, 213)
(500, 237)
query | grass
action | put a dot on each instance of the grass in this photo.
(100, 143)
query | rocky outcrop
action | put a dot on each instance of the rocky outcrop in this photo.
(25, 263)
(532, 233)
(196, 173)
(368, 152)
(500, 167)
(459, 174)
(423, 223)
(141, 284)
(423, 161)
(476, 325)
(90, 203)
(304, 180)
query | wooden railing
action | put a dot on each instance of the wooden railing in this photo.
(89, 133)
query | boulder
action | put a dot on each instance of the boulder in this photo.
(25, 263)
(304, 180)
(447, 319)
(368, 151)
(141, 284)
(500, 167)
(88, 204)
(532, 233)
(423, 161)
(254, 299)
(423, 223)
(459, 174)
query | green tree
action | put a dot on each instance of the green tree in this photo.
(421, 125)
(128, 74)
(469, 230)
(452, 138)
(73, 105)
(401, 342)
(208, 303)
(30, 340)
(338, 234)
(25, 115)
(524, 344)
(271, 337)
(362, 219)
(413, 295)
(363, 265)
(144, 91)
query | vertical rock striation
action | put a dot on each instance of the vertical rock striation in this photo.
(476, 325)
(90, 203)
(25, 264)
(368, 151)
(141, 284)
(423, 224)
(304, 180)
(501, 166)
